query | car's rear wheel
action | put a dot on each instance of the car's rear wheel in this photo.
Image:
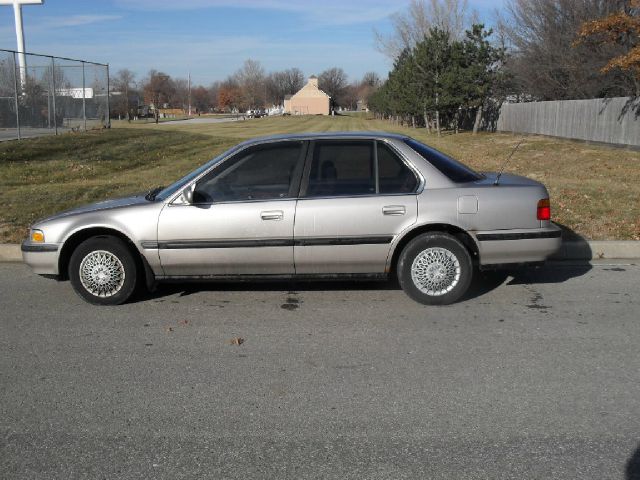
(103, 271)
(435, 269)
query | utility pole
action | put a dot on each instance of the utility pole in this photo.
(17, 13)
(189, 96)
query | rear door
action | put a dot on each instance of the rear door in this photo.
(356, 197)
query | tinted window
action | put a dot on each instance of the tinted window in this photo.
(342, 169)
(174, 187)
(454, 170)
(393, 175)
(258, 173)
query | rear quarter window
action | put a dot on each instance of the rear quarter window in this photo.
(454, 170)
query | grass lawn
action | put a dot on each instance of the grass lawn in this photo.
(595, 190)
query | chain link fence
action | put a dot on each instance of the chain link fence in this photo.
(45, 95)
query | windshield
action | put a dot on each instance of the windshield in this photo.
(454, 170)
(174, 187)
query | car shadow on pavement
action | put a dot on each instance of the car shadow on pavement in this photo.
(488, 280)
(483, 283)
(190, 288)
(574, 246)
(551, 273)
(632, 470)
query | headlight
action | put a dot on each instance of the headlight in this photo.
(37, 236)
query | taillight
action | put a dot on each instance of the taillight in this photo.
(544, 209)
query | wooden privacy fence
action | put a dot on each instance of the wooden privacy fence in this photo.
(608, 120)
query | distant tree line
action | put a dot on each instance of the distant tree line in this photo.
(449, 72)
(250, 87)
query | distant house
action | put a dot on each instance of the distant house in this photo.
(361, 105)
(287, 104)
(309, 100)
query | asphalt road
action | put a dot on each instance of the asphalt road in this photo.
(535, 375)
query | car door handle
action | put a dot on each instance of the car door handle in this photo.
(272, 215)
(394, 210)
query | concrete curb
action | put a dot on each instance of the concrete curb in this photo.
(598, 249)
(570, 250)
(10, 252)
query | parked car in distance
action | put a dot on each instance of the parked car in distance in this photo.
(325, 205)
(257, 113)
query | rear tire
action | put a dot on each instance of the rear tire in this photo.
(103, 271)
(435, 269)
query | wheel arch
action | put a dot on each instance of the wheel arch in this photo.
(465, 238)
(75, 239)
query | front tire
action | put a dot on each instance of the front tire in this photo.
(103, 271)
(435, 269)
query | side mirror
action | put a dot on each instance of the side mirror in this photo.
(187, 194)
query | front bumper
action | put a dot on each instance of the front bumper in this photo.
(518, 246)
(41, 257)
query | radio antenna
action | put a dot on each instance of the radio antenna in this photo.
(507, 161)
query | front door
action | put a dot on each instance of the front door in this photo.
(241, 219)
(358, 196)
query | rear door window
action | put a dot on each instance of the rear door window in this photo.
(350, 168)
(342, 169)
(393, 174)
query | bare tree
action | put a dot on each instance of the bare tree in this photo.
(214, 88)
(544, 62)
(124, 82)
(201, 99)
(158, 90)
(251, 79)
(410, 27)
(334, 83)
(371, 79)
(350, 96)
(180, 96)
(294, 80)
(367, 86)
(280, 84)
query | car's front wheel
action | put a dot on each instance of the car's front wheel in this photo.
(435, 269)
(103, 271)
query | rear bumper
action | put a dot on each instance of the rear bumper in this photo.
(41, 257)
(518, 246)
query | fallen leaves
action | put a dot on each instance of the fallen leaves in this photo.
(182, 323)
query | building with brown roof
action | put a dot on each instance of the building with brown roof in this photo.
(309, 100)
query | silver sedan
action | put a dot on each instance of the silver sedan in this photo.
(328, 205)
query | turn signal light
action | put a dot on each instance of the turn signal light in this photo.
(544, 209)
(37, 236)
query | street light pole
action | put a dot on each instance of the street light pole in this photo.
(17, 13)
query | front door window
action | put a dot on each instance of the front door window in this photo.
(260, 173)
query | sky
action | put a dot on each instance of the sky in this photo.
(211, 38)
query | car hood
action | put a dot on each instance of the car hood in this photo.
(98, 206)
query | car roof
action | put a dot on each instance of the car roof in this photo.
(326, 135)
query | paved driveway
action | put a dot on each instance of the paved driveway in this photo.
(203, 120)
(533, 376)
